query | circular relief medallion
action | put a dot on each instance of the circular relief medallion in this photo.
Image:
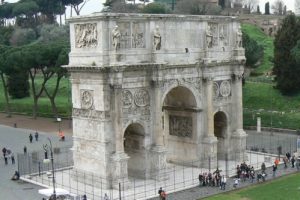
(141, 98)
(216, 90)
(86, 99)
(225, 88)
(126, 98)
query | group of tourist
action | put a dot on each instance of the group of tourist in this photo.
(214, 179)
(8, 154)
(245, 171)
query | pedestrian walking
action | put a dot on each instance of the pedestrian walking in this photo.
(223, 182)
(25, 149)
(285, 161)
(84, 197)
(160, 193)
(263, 168)
(274, 170)
(5, 159)
(36, 135)
(12, 157)
(293, 161)
(105, 197)
(4, 151)
(30, 137)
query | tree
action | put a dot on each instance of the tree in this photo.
(25, 11)
(155, 8)
(286, 68)
(3, 68)
(253, 51)
(258, 9)
(197, 7)
(277, 7)
(267, 8)
(22, 36)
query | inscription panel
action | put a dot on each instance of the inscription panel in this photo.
(181, 126)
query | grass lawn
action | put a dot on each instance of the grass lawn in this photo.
(260, 99)
(24, 106)
(267, 42)
(286, 188)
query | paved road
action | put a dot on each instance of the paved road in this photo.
(15, 139)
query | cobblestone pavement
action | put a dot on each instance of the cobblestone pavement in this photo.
(15, 139)
(202, 192)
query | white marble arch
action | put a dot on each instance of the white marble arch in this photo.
(129, 85)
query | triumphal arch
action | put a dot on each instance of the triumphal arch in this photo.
(152, 89)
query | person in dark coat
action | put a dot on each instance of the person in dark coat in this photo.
(5, 159)
(293, 161)
(4, 151)
(30, 137)
(36, 135)
(25, 149)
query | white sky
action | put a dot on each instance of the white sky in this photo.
(96, 6)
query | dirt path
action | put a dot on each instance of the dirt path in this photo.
(41, 124)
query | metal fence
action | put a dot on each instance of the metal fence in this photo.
(174, 177)
(272, 142)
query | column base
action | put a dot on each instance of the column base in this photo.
(119, 171)
(209, 159)
(158, 163)
(238, 146)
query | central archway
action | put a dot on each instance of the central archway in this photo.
(220, 131)
(134, 146)
(179, 125)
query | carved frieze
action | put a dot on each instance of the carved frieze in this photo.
(88, 113)
(87, 99)
(223, 35)
(132, 35)
(216, 90)
(127, 98)
(180, 126)
(138, 35)
(86, 35)
(141, 98)
(193, 82)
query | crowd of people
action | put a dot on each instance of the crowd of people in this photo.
(214, 179)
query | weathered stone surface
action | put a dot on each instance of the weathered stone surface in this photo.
(155, 88)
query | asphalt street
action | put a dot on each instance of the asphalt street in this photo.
(15, 139)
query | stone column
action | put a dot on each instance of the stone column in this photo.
(158, 151)
(210, 141)
(119, 169)
(238, 136)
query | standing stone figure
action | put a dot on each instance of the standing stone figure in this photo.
(116, 38)
(157, 38)
(209, 37)
(239, 35)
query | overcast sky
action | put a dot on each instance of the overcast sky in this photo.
(96, 6)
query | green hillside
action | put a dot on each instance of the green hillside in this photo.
(267, 42)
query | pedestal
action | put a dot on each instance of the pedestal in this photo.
(158, 163)
(210, 145)
(238, 146)
(119, 171)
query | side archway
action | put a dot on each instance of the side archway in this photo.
(134, 147)
(220, 131)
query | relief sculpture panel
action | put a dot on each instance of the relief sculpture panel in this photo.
(86, 35)
(221, 89)
(87, 99)
(181, 126)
